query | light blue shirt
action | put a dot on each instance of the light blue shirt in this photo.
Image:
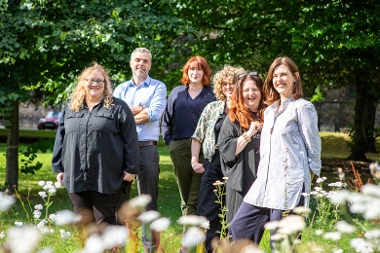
(290, 148)
(151, 94)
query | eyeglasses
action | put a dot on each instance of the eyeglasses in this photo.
(97, 81)
(253, 73)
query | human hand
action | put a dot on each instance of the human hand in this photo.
(128, 176)
(60, 177)
(198, 167)
(254, 128)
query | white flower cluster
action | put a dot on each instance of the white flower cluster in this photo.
(194, 235)
(111, 236)
(6, 201)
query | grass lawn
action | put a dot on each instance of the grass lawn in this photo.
(333, 146)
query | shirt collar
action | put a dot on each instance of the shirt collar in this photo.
(146, 82)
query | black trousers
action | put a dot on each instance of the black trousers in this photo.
(102, 207)
(206, 201)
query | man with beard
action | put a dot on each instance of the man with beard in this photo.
(147, 99)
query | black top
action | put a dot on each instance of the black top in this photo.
(182, 113)
(94, 148)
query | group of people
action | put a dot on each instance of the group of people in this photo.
(262, 136)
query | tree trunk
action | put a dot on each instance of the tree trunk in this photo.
(370, 124)
(363, 103)
(12, 151)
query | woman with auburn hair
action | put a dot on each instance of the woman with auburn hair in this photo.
(183, 109)
(96, 147)
(205, 136)
(239, 139)
(290, 154)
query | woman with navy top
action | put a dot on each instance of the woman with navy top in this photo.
(184, 107)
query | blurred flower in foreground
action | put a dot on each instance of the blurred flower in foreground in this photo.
(194, 220)
(65, 217)
(160, 224)
(111, 236)
(193, 237)
(22, 239)
(6, 201)
(374, 168)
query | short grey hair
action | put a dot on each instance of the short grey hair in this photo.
(142, 50)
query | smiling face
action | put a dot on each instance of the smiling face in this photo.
(251, 95)
(195, 74)
(283, 81)
(228, 88)
(140, 64)
(94, 86)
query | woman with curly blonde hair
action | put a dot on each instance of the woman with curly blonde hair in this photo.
(206, 134)
(96, 146)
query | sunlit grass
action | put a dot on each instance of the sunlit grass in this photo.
(334, 145)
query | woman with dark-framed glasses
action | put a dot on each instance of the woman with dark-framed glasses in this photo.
(239, 139)
(290, 153)
(96, 146)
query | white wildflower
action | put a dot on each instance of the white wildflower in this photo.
(6, 201)
(141, 201)
(148, 216)
(192, 220)
(193, 236)
(19, 223)
(114, 235)
(344, 227)
(334, 236)
(371, 189)
(42, 194)
(93, 244)
(250, 249)
(64, 234)
(319, 232)
(339, 197)
(273, 225)
(278, 237)
(160, 225)
(360, 245)
(291, 224)
(39, 207)
(336, 184)
(52, 191)
(41, 183)
(52, 216)
(37, 214)
(57, 185)
(373, 234)
(64, 217)
(300, 210)
(2, 234)
(22, 239)
(46, 250)
(320, 180)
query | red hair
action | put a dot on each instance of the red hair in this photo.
(199, 62)
(238, 111)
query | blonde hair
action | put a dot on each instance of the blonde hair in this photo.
(226, 74)
(78, 96)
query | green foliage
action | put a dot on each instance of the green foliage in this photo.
(43, 145)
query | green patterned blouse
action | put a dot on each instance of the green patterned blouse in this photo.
(205, 131)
